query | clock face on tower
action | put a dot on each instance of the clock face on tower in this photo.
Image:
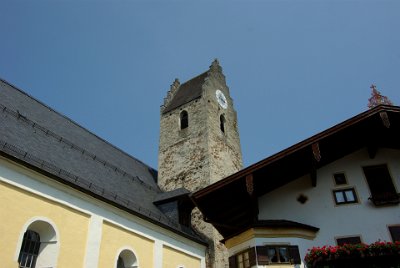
(221, 99)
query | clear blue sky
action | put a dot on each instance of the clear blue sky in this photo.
(294, 68)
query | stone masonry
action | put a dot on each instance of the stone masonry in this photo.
(202, 153)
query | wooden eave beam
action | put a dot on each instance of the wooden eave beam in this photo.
(316, 153)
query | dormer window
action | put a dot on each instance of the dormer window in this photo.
(222, 123)
(184, 119)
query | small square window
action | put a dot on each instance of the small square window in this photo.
(345, 196)
(340, 178)
(348, 240)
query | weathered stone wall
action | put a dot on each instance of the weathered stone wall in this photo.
(201, 154)
(224, 147)
(182, 159)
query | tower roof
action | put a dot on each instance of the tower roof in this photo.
(188, 91)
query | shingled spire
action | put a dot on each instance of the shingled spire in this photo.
(377, 98)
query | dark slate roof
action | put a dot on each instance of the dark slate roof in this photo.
(187, 92)
(35, 135)
(174, 194)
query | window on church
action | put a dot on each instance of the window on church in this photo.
(127, 259)
(120, 263)
(29, 250)
(381, 185)
(39, 246)
(222, 123)
(184, 119)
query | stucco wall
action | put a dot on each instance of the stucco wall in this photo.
(114, 239)
(91, 232)
(359, 219)
(18, 208)
(174, 258)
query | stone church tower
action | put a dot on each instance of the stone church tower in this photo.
(199, 143)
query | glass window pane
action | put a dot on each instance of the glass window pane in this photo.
(339, 197)
(120, 263)
(350, 196)
(240, 258)
(272, 255)
(283, 254)
(29, 249)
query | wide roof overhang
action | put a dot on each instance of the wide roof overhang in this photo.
(231, 204)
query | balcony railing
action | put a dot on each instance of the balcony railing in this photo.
(387, 198)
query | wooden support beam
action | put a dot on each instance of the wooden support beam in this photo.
(316, 152)
(253, 196)
(385, 119)
(250, 184)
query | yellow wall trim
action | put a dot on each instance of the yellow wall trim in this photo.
(262, 232)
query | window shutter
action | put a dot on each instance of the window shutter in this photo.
(295, 254)
(232, 262)
(395, 233)
(379, 181)
(262, 255)
(252, 257)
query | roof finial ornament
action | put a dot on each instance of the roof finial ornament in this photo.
(377, 98)
(215, 66)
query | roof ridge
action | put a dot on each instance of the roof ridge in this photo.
(59, 138)
(75, 123)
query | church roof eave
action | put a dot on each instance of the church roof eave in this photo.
(36, 136)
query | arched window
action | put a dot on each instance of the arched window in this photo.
(222, 123)
(29, 250)
(39, 247)
(184, 119)
(127, 259)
